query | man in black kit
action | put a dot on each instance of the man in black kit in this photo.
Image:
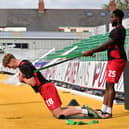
(116, 60)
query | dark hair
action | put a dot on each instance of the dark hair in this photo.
(119, 13)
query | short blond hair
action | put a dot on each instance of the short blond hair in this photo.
(7, 58)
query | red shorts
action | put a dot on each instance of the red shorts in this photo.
(50, 95)
(114, 70)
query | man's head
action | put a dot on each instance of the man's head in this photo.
(117, 16)
(10, 61)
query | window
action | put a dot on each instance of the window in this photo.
(61, 30)
(23, 45)
(103, 14)
(89, 14)
(73, 30)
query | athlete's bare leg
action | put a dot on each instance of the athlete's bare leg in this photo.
(66, 111)
(109, 94)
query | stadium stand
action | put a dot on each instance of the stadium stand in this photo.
(87, 44)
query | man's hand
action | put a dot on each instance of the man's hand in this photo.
(88, 53)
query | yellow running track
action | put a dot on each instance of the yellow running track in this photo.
(21, 108)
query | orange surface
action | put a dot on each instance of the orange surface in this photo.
(21, 108)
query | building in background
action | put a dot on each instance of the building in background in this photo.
(43, 19)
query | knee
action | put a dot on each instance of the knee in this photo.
(58, 113)
(111, 91)
(59, 116)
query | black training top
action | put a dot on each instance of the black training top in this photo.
(117, 51)
(27, 68)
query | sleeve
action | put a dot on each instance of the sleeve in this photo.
(116, 35)
(27, 70)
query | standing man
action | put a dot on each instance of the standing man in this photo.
(116, 60)
(46, 89)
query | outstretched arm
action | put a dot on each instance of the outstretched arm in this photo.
(100, 48)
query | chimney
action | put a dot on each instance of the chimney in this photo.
(41, 6)
(112, 5)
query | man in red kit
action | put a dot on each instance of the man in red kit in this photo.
(116, 60)
(46, 89)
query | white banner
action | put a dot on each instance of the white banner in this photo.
(51, 73)
(84, 74)
(99, 75)
(71, 73)
(61, 71)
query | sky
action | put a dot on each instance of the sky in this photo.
(81, 4)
